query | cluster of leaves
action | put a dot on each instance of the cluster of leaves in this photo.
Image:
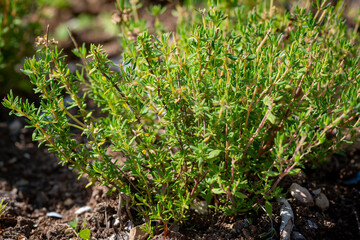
(82, 233)
(17, 33)
(219, 112)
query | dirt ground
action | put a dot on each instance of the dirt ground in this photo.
(33, 186)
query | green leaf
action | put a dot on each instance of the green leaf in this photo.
(271, 117)
(27, 72)
(84, 234)
(294, 171)
(217, 191)
(251, 57)
(348, 142)
(303, 50)
(232, 57)
(267, 100)
(214, 153)
(240, 195)
(268, 208)
(73, 224)
(271, 173)
(89, 184)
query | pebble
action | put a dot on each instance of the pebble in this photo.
(130, 225)
(316, 192)
(69, 202)
(54, 215)
(54, 191)
(311, 224)
(246, 223)
(287, 220)
(12, 160)
(297, 236)
(15, 127)
(322, 202)
(116, 222)
(301, 194)
(237, 226)
(82, 210)
(137, 233)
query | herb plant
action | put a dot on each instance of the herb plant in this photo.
(220, 111)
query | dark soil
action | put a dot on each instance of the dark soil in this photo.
(33, 184)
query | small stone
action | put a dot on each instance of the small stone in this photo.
(301, 194)
(116, 222)
(54, 215)
(15, 127)
(311, 224)
(69, 202)
(82, 210)
(322, 202)
(316, 192)
(297, 236)
(246, 223)
(237, 226)
(137, 233)
(54, 191)
(12, 160)
(287, 220)
(130, 225)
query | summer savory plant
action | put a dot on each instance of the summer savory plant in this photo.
(219, 112)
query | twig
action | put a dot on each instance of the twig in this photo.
(119, 211)
(106, 219)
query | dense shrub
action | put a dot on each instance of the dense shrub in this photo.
(219, 112)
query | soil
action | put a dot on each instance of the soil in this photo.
(33, 184)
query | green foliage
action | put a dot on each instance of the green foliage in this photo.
(54, 3)
(84, 233)
(17, 31)
(220, 111)
(2, 207)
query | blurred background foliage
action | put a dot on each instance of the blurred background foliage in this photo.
(21, 21)
(18, 26)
